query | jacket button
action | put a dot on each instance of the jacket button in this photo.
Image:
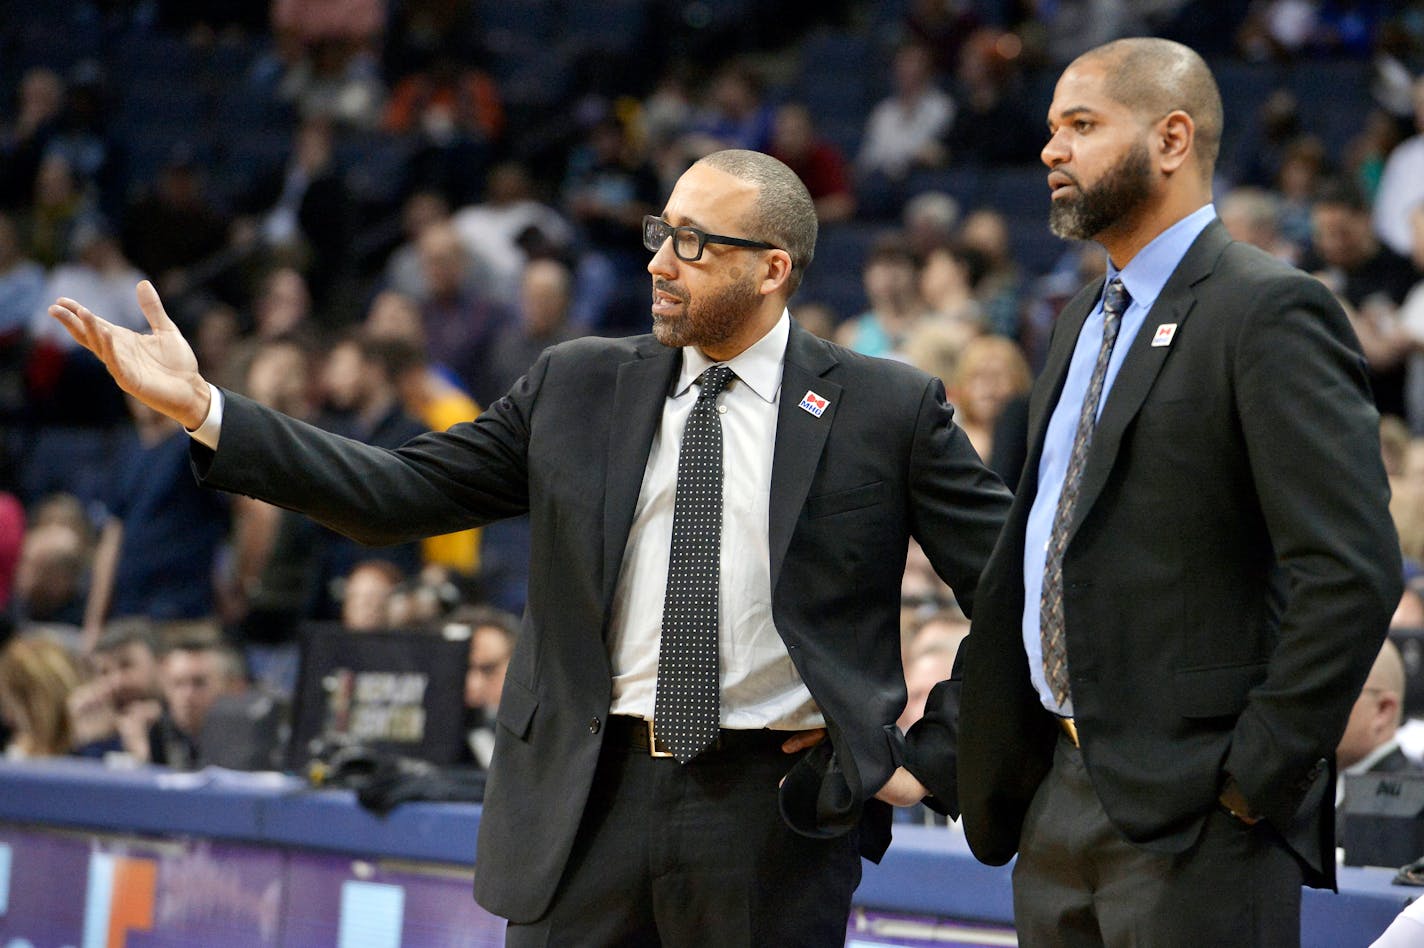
(594, 725)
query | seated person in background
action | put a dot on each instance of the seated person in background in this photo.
(124, 689)
(1369, 744)
(37, 676)
(155, 557)
(991, 372)
(929, 659)
(366, 595)
(193, 675)
(49, 579)
(492, 635)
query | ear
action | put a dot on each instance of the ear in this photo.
(1174, 138)
(1388, 709)
(777, 270)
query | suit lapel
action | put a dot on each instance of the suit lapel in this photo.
(638, 397)
(1143, 362)
(800, 436)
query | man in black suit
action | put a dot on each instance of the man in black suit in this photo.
(1198, 567)
(830, 462)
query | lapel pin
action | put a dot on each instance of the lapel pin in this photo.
(815, 404)
(1164, 335)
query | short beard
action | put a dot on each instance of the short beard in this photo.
(1124, 188)
(709, 322)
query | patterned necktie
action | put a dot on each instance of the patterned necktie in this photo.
(686, 708)
(1050, 628)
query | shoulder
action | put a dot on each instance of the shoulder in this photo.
(1263, 279)
(854, 368)
(601, 349)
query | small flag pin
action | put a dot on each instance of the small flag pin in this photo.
(814, 403)
(1164, 334)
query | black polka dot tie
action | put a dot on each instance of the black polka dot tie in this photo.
(686, 709)
(1051, 626)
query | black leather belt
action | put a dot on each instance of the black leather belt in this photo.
(640, 735)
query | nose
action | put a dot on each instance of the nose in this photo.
(1055, 152)
(664, 262)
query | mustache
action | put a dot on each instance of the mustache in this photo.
(671, 289)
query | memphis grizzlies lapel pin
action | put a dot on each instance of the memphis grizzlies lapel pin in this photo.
(815, 404)
(1164, 335)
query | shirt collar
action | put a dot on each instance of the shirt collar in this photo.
(1363, 765)
(758, 366)
(1146, 274)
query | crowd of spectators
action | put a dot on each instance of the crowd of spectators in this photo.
(374, 214)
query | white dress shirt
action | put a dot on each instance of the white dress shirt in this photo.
(760, 686)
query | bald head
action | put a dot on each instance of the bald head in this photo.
(1156, 76)
(783, 214)
(1388, 673)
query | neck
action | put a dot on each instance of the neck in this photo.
(751, 332)
(1125, 240)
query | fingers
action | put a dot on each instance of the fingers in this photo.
(803, 739)
(152, 307)
(83, 325)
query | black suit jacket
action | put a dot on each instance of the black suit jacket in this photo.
(569, 445)
(1228, 581)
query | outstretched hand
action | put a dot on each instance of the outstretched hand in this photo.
(159, 369)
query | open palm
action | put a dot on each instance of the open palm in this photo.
(159, 369)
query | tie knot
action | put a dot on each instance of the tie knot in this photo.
(711, 382)
(1116, 298)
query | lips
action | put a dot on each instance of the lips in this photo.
(1059, 182)
(665, 302)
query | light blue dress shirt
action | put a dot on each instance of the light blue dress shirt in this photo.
(1144, 277)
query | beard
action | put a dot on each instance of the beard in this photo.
(1122, 189)
(707, 322)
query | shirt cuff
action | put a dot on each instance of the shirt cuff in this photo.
(207, 433)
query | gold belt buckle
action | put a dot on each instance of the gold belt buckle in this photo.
(653, 743)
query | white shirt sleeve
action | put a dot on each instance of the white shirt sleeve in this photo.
(207, 433)
(1407, 929)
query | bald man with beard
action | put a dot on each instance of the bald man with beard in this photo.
(1199, 566)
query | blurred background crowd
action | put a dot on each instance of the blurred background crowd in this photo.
(374, 214)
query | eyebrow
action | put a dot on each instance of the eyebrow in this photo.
(1069, 113)
(686, 222)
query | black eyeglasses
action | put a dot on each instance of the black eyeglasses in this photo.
(689, 242)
